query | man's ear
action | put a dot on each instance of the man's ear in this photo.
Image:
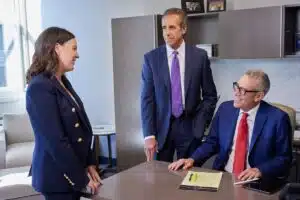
(259, 96)
(183, 30)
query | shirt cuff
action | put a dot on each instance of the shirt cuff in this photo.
(149, 137)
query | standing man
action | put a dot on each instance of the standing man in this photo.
(178, 96)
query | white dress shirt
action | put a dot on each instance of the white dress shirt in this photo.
(181, 59)
(250, 121)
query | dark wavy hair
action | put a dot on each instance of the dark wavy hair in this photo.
(45, 59)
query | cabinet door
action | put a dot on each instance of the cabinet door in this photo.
(132, 37)
(251, 33)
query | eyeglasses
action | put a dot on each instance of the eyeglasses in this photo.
(241, 90)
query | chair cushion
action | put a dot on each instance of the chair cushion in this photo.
(19, 154)
(15, 184)
(17, 128)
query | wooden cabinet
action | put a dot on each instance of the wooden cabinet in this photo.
(132, 37)
(251, 33)
(203, 29)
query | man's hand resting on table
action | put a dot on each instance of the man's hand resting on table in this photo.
(248, 174)
(150, 148)
(184, 163)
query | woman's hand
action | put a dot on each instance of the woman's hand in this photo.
(93, 185)
(94, 174)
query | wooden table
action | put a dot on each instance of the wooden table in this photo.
(153, 181)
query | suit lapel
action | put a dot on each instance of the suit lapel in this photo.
(80, 109)
(232, 124)
(188, 68)
(260, 120)
(164, 68)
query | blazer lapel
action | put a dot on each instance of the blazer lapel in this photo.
(64, 92)
(79, 107)
(81, 112)
(164, 68)
(188, 69)
(260, 120)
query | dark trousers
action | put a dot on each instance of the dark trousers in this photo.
(180, 138)
(62, 196)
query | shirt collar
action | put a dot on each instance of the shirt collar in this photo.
(252, 113)
(180, 50)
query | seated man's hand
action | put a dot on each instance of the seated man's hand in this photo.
(250, 173)
(185, 163)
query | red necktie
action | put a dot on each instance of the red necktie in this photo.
(241, 143)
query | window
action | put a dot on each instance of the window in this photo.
(2, 59)
(13, 51)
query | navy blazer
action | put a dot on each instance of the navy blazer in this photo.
(63, 136)
(200, 92)
(270, 148)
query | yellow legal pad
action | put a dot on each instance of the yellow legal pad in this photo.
(209, 181)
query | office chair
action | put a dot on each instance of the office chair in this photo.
(291, 191)
(292, 115)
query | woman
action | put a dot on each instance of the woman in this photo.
(63, 161)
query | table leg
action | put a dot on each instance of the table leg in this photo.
(109, 151)
(97, 150)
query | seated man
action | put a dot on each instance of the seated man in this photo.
(251, 137)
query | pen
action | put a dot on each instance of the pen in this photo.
(196, 176)
(246, 181)
(191, 176)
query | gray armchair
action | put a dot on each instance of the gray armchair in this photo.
(16, 141)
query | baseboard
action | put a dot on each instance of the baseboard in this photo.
(104, 161)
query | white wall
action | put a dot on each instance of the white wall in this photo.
(90, 21)
(284, 75)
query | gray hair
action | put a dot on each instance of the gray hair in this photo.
(262, 77)
(179, 12)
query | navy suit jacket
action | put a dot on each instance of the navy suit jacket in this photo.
(200, 92)
(63, 136)
(270, 148)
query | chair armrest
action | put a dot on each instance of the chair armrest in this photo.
(2, 148)
(290, 191)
